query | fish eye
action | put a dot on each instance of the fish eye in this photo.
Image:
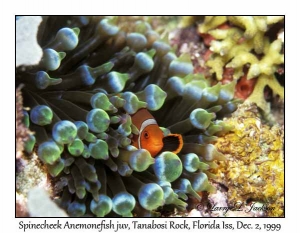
(146, 135)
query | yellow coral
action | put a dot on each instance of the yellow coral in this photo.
(254, 168)
(267, 65)
(211, 22)
(254, 24)
(244, 44)
(257, 95)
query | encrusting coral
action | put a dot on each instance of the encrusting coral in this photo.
(23, 134)
(240, 43)
(254, 169)
(93, 76)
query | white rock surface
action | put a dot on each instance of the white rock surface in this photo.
(28, 51)
(39, 204)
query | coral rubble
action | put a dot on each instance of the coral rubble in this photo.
(93, 76)
(254, 169)
(22, 132)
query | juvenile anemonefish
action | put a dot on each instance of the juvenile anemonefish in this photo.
(151, 137)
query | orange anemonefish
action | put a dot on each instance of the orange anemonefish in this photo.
(151, 137)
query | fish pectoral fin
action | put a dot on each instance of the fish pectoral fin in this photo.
(173, 143)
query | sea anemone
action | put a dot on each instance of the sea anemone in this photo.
(94, 75)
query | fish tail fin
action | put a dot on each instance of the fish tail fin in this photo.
(173, 143)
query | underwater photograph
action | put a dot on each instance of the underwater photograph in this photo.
(149, 116)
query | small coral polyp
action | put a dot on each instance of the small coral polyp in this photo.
(93, 76)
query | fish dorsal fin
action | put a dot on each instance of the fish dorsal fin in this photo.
(173, 143)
